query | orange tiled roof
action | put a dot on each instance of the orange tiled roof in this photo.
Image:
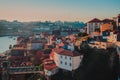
(66, 52)
(107, 20)
(49, 64)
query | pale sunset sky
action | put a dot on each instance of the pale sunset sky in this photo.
(64, 10)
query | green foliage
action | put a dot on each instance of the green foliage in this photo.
(82, 34)
(41, 67)
(35, 77)
(97, 65)
(10, 46)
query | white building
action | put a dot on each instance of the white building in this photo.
(66, 59)
(93, 25)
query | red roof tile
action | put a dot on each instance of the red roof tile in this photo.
(49, 64)
(95, 20)
(58, 50)
(107, 20)
(66, 52)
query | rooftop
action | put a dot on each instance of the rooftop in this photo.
(107, 21)
(62, 51)
(49, 64)
(95, 20)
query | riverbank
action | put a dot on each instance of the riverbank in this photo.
(5, 53)
(2, 34)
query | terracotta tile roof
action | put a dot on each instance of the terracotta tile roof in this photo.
(49, 64)
(95, 20)
(107, 20)
(58, 50)
(62, 51)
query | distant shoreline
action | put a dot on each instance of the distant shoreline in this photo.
(13, 34)
(4, 35)
(9, 35)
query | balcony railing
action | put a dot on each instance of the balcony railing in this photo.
(24, 70)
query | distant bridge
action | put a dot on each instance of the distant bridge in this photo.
(24, 70)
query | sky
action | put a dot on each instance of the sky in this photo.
(53, 10)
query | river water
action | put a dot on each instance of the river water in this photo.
(5, 42)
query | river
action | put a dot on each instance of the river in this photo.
(5, 42)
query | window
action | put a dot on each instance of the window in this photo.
(70, 64)
(95, 24)
(61, 62)
(65, 57)
(70, 58)
(65, 63)
(61, 56)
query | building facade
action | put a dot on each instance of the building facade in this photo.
(67, 60)
(93, 25)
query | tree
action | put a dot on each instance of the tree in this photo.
(82, 34)
(10, 46)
